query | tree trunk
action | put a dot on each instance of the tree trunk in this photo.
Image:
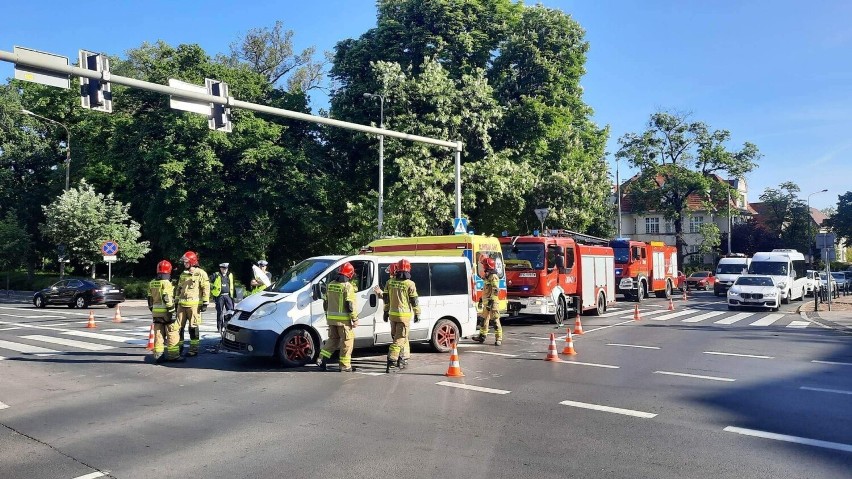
(679, 241)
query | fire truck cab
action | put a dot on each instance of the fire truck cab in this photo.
(642, 268)
(558, 274)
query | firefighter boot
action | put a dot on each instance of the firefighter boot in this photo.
(480, 338)
(350, 369)
(401, 363)
(322, 364)
(391, 366)
(498, 338)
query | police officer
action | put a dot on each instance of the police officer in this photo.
(400, 298)
(256, 284)
(222, 290)
(341, 314)
(490, 302)
(193, 295)
(161, 302)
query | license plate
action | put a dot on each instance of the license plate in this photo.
(230, 336)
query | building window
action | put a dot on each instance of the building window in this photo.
(695, 223)
(669, 227)
(652, 226)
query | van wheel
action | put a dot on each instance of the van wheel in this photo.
(296, 348)
(787, 299)
(444, 335)
(561, 312)
(802, 297)
(601, 306)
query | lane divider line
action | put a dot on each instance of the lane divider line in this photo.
(696, 376)
(92, 475)
(756, 356)
(822, 390)
(3, 405)
(496, 354)
(472, 388)
(608, 366)
(632, 346)
(610, 326)
(835, 363)
(616, 410)
(795, 439)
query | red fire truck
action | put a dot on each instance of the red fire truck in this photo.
(642, 268)
(558, 274)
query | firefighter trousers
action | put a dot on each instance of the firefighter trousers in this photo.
(487, 316)
(399, 333)
(341, 336)
(189, 315)
(167, 339)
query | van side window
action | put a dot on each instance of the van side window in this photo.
(384, 276)
(363, 278)
(448, 279)
(420, 276)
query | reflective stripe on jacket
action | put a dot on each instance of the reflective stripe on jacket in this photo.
(401, 299)
(193, 288)
(491, 291)
(162, 294)
(340, 302)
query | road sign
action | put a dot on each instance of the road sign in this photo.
(109, 248)
(541, 213)
(826, 240)
(37, 75)
(460, 226)
(110, 258)
(187, 104)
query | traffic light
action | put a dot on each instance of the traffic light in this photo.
(95, 94)
(220, 119)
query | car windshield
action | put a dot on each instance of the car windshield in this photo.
(730, 268)
(298, 276)
(839, 276)
(754, 281)
(699, 274)
(823, 277)
(771, 268)
(622, 254)
(523, 256)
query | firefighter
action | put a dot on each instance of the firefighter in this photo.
(161, 302)
(193, 295)
(400, 298)
(406, 350)
(490, 302)
(222, 290)
(341, 314)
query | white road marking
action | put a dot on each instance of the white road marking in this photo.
(69, 342)
(767, 320)
(41, 316)
(496, 354)
(369, 374)
(610, 326)
(472, 388)
(608, 366)
(10, 328)
(26, 348)
(105, 337)
(616, 312)
(836, 391)
(783, 437)
(466, 345)
(799, 324)
(55, 325)
(711, 378)
(831, 362)
(642, 314)
(598, 407)
(3, 405)
(93, 475)
(733, 319)
(739, 355)
(666, 317)
(632, 346)
(702, 317)
(52, 311)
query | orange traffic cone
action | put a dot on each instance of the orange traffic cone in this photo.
(454, 371)
(91, 323)
(117, 317)
(671, 305)
(150, 346)
(578, 326)
(569, 345)
(636, 316)
(551, 350)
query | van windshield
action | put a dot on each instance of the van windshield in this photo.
(730, 268)
(523, 256)
(298, 276)
(771, 268)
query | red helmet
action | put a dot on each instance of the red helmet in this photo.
(164, 267)
(392, 269)
(488, 263)
(191, 257)
(347, 270)
(404, 266)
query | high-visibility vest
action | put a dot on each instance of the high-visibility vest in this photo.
(337, 297)
(193, 288)
(401, 299)
(216, 284)
(162, 294)
(490, 292)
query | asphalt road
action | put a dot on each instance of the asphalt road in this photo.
(696, 392)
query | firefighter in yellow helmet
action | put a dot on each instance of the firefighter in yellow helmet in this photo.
(490, 302)
(193, 294)
(161, 302)
(401, 306)
(341, 314)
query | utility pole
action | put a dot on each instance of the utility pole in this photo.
(618, 196)
(730, 220)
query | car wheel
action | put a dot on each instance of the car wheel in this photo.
(444, 335)
(111, 305)
(296, 348)
(787, 299)
(79, 302)
(39, 302)
(640, 292)
(802, 297)
(561, 312)
(601, 306)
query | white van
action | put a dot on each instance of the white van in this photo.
(787, 268)
(727, 271)
(287, 320)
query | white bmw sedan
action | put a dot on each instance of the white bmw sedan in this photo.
(754, 291)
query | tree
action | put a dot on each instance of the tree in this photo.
(841, 220)
(750, 237)
(14, 244)
(710, 238)
(83, 219)
(787, 217)
(678, 160)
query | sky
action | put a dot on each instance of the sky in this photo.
(777, 73)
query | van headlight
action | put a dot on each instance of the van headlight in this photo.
(264, 310)
(782, 285)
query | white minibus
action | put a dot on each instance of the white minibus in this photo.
(787, 268)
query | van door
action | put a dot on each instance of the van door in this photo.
(420, 276)
(449, 297)
(367, 302)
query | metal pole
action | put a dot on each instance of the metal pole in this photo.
(618, 195)
(109, 271)
(458, 179)
(381, 165)
(730, 221)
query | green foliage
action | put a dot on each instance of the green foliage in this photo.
(711, 238)
(841, 220)
(787, 217)
(14, 242)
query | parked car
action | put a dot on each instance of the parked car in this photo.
(824, 282)
(840, 278)
(813, 281)
(754, 291)
(80, 293)
(701, 280)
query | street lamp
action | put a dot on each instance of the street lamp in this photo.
(810, 220)
(618, 195)
(381, 157)
(67, 143)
